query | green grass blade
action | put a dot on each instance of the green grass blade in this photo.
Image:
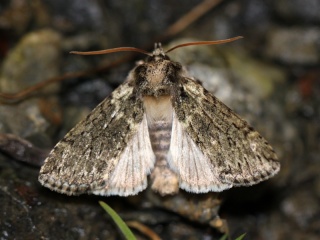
(241, 237)
(225, 237)
(120, 223)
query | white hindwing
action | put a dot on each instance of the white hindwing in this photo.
(196, 172)
(136, 162)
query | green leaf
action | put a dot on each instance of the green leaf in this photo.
(120, 223)
(225, 237)
(241, 237)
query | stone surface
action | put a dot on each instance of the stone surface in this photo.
(36, 58)
(299, 10)
(270, 78)
(294, 45)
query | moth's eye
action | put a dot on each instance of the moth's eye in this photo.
(149, 58)
(154, 58)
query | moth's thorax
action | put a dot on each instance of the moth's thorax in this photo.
(156, 72)
(157, 76)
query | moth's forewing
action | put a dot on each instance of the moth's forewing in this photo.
(225, 151)
(112, 140)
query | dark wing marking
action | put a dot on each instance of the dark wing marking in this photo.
(90, 158)
(223, 149)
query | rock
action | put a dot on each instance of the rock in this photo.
(302, 208)
(298, 11)
(27, 211)
(294, 45)
(35, 59)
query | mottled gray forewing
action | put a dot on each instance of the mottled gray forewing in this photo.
(238, 155)
(82, 160)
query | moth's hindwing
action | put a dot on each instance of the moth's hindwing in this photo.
(212, 148)
(108, 153)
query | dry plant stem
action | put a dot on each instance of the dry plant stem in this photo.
(143, 229)
(186, 20)
(22, 150)
(8, 97)
(174, 29)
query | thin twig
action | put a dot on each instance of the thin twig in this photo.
(25, 93)
(143, 229)
(186, 20)
(182, 23)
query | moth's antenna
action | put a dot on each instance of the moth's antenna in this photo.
(112, 50)
(133, 49)
(205, 43)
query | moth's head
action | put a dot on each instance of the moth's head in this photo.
(157, 55)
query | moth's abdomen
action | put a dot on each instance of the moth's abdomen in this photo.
(160, 135)
(159, 114)
(164, 180)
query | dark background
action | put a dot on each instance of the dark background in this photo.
(271, 78)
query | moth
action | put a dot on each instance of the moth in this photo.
(160, 122)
